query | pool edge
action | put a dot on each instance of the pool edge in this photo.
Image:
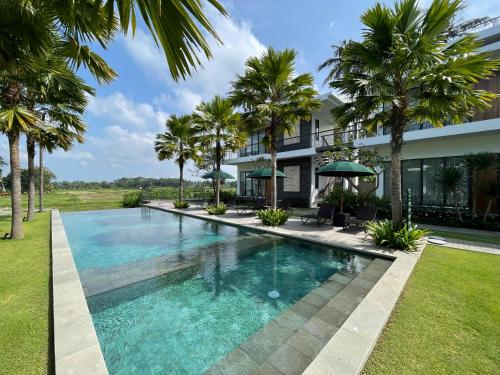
(76, 346)
(365, 324)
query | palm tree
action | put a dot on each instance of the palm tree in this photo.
(405, 71)
(178, 142)
(477, 163)
(274, 98)
(176, 25)
(220, 130)
(451, 180)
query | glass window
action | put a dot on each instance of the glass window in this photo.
(316, 128)
(412, 179)
(463, 190)
(432, 192)
(249, 187)
(316, 179)
(293, 136)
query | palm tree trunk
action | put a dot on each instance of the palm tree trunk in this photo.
(396, 198)
(30, 146)
(41, 187)
(488, 209)
(181, 181)
(16, 229)
(274, 166)
(217, 171)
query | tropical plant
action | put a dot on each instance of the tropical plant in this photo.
(273, 218)
(219, 130)
(178, 143)
(132, 199)
(405, 71)
(386, 233)
(28, 27)
(181, 204)
(478, 163)
(217, 209)
(451, 180)
(491, 190)
(274, 97)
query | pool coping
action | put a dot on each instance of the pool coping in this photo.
(76, 346)
(363, 327)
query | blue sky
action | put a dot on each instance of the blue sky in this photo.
(124, 116)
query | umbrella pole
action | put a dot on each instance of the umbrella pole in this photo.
(342, 196)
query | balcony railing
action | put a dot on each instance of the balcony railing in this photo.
(313, 140)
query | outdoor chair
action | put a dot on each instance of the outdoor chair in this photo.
(285, 206)
(260, 204)
(324, 213)
(365, 214)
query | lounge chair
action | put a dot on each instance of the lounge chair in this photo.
(365, 214)
(260, 204)
(285, 206)
(324, 213)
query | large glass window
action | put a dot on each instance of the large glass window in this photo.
(412, 179)
(249, 187)
(463, 190)
(432, 192)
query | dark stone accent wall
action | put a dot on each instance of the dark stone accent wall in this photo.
(305, 138)
(301, 198)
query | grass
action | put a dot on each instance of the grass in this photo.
(467, 236)
(448, 319)
(24, 299)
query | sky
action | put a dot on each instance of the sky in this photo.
(124, 116)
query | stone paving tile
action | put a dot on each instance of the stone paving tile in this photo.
(306, 343)
(325, 292)
(340, 278)
(262, 344)
(332, 316)
(236, 363)
(320, 328)
(266, 369)
(291, 320)
(305, 309)
(315, 300)
(289, 360)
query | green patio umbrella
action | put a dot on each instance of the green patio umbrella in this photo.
(223, 175)
(344, 169)
(265, 173)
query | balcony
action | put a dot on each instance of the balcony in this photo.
(317, 141)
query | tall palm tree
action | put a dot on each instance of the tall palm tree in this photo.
(274, 97)
(176, 25)
(57, 95)
(405, 71)
(178, 143)
(220, 130)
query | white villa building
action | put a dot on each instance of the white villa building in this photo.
(426, 149)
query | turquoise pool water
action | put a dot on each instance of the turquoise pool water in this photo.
(215, 296)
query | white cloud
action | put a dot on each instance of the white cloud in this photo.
(216, 74)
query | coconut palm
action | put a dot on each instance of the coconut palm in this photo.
(451, 179)
(178, 143)
(176, 25)
(405, 71)
(477, 163)
(274, 97)
(220, 130)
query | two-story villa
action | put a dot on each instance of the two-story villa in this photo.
(426, 149)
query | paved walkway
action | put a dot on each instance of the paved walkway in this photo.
(480, 247)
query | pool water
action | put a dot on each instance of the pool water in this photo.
(229, 282)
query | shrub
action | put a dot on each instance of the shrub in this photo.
(181, 204)
(272, 217)
(217, 210)
(406, 238)
(227, 195)
(132, 199)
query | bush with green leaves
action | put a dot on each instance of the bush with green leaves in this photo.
(217, 210)
(272, 217)
(181, 204)
(132, 199)
(384, 233)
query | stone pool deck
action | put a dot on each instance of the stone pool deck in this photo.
(333, 329)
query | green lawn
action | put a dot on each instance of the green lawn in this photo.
(448, 319)
(24, 299)
(76, 200)
(467, 236)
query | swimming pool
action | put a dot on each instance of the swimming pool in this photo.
(170, 294)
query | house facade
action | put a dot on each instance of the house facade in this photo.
(425, 151)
